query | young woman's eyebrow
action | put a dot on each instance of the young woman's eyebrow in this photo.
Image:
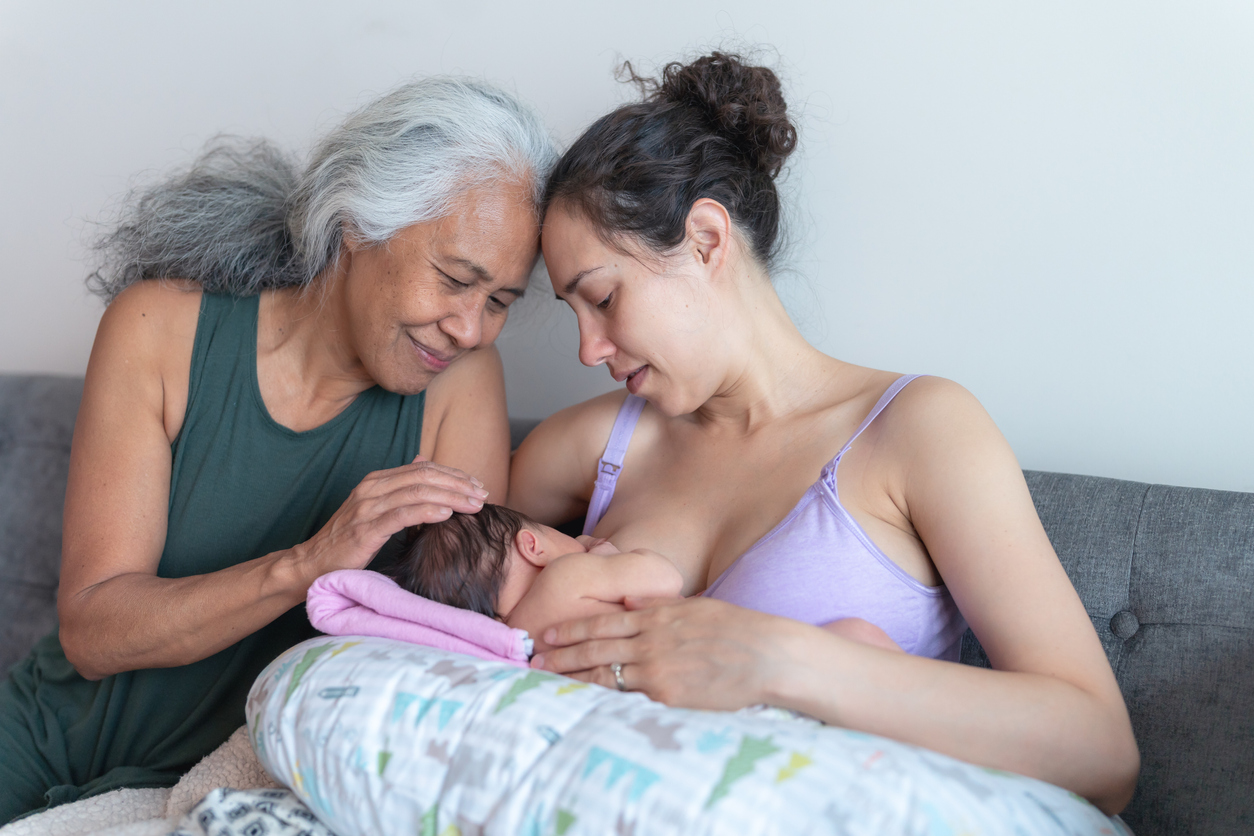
(573, 283)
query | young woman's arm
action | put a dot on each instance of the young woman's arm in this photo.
(115, 613)
(1051, 709)
(553, 470)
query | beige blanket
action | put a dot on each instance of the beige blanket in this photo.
(151, 812)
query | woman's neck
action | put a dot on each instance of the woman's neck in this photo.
(774, 371)
(307, 365)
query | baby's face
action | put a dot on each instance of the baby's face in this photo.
(531, 551)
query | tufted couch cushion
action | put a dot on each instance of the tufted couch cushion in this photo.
(1167, 576)
(36, 424)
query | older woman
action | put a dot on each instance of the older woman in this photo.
(794, 489)
(291, 368)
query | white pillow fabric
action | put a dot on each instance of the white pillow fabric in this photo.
(381, 737)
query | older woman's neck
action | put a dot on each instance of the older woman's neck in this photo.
(306, 363)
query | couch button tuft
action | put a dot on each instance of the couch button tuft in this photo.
(1124, 625)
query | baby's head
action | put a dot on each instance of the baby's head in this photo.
(483, 562)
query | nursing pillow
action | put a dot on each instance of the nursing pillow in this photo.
(379, 736)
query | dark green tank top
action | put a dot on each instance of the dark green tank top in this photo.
(242, 486)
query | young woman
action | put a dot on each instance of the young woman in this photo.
(784, 482)
(292, 367)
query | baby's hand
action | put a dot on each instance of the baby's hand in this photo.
(597, 545)
(861, 630)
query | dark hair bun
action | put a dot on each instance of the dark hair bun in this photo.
(714, 128)
(744, 103)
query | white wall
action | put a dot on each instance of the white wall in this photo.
(1050, 202)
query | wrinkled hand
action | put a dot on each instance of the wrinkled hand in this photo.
(385, 502)
(691, 652)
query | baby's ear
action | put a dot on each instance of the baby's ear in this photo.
(530, 548)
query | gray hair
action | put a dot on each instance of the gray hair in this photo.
(243, 219)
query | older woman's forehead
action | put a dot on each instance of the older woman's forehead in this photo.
(492, 232)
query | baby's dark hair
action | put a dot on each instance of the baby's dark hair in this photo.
(462, 561)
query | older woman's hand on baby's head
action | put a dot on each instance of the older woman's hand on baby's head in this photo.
(383, 503)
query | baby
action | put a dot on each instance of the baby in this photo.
(505, 565)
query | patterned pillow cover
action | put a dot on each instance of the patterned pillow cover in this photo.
(378, 736)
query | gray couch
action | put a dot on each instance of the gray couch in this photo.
(1167, 575)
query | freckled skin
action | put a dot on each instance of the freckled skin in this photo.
(398, 292)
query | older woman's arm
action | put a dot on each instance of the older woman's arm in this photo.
(1051, 709)
(115, 613)
(465, 425)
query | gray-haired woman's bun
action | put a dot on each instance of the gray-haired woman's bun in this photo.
(244, 217)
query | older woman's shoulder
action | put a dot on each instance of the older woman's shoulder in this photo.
(143, 349)
(153, 320)
(154, 310)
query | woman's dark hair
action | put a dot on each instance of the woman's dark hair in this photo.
(716, 128)
(462, 561)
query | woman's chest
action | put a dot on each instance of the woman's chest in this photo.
(704, 505)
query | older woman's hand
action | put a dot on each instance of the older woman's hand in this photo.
(692, 652)
(384, 503)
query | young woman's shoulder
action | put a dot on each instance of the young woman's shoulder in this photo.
(554, 468)
(461, 390)
(586, 424)
(936, 412)
(930, 434)
(950, 469)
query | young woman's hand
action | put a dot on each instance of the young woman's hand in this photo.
(691, 652)
(384, 503)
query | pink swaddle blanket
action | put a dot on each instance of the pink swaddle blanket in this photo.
(358, 602)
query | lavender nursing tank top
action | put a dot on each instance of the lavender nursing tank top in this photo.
(817, 565)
